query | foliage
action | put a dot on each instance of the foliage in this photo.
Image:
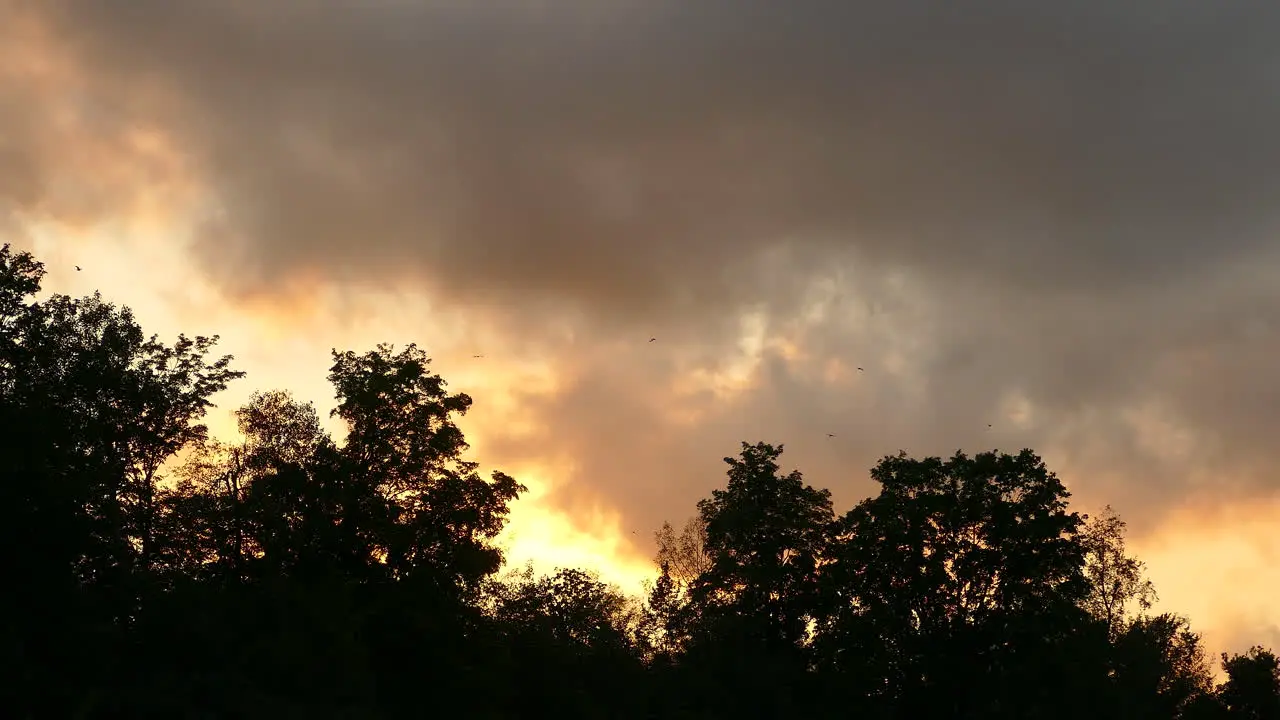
(157, 572)
(686, 555)
(1116, 581)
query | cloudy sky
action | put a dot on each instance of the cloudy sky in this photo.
(1059, 219)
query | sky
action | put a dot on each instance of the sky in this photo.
(1031, 224)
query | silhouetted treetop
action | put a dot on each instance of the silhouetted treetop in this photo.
(402, 438)
(1116, 581)
(155, 571)
(686, 555)
(1252, 689)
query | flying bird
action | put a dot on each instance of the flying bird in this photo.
(830, 435)
(652, 339)
(859, 369)
(477, 356)
(77, 268)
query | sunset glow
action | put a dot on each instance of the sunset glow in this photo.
(847, 277)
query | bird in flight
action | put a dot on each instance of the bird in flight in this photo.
(652, 339)
(830, 434)
(859, 369)
(477, 356)
(77, 268)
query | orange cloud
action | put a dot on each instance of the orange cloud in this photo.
(1219, 564)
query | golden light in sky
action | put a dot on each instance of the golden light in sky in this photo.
(1217, 567)
(285, 345)
(1018, 252)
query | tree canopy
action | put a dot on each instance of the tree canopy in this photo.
(156, 571)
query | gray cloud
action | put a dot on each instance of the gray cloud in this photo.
(627, 155)
(1074, 190)
(1197, 362)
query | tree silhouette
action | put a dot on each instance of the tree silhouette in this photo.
(1116, 581)
(951, 561)
(1252, 689)
(402, 439)
(1159, 668)
(91, 410)
(749, 613)
(686, 554)
(764, 536)
(575, 640)
(153, 571)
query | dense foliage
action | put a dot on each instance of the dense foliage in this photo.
(155, 572)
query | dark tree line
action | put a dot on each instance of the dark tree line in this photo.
(152, 571)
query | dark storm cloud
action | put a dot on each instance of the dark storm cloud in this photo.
(1073, 187)
(626, 154)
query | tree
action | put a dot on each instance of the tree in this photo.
(951, 588)
(127, 404)
(91, 410)
(287, 573)
(686, 555)
(1116, 581)
(661, 628)
(1159, 668)
(402, 439)
(569, 606)
(279, 430)
(746, 624)
(1252, 689)
(574, 639)
(279, 498)
(681, 559)
(764, 536)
